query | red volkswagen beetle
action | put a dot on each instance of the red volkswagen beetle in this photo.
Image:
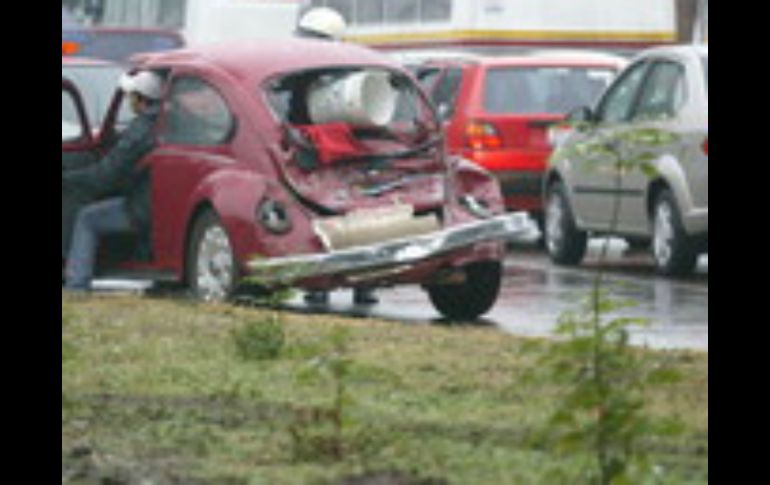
(308, 164)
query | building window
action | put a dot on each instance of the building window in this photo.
(401, 11)
(168, 14)
(370, 12)
(435, 10)
(374, 12)
(344, 7)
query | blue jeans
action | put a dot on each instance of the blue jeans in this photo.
(93, 221)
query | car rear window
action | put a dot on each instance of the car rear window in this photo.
(706, 71)
(552, 90)
(288, 95)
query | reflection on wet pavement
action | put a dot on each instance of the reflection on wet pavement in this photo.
(535, 293)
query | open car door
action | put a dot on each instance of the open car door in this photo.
(77, 151)
(75, 130)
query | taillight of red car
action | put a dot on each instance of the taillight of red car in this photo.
(69, 48)
(481, 135)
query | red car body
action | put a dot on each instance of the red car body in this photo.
(240, 191)
(498, 110)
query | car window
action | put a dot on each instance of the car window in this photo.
(71, 124)
(444, 94)
(97, 84)
(553, 90)
(289, 95)
(196, 114)
(706, 72)
(616, 105)
(664, 91)
(426, 76)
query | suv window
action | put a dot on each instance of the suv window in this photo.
(197, 114)
(664, 92)
(706, 71)
(618, 102)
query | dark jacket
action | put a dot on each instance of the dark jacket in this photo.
(116, 174)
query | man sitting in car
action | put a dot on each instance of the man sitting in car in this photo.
(122, 192)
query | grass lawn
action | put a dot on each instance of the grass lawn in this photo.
(159, 390)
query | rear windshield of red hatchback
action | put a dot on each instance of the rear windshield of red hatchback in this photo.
(541, 90)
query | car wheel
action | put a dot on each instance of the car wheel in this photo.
(566, 244)
(674, 251)
(211, 266)
(472, 298)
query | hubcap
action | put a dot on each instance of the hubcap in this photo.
(215, 265)
(554, 220)
(664, 234)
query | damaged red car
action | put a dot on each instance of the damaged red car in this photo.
(307, 164)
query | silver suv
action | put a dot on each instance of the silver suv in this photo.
(637, 164)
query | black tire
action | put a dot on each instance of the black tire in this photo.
(474, 297)
(211, 267)
(565, 243)
(674, 251)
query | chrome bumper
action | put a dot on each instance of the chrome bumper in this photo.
(393, 254)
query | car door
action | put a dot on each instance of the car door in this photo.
(76, 132)
(597, 183)
(82, 143)
(193, 141)
(651, 138)
(76, 152)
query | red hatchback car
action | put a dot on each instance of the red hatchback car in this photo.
(497, 111)
(308, 164)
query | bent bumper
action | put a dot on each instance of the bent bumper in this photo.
(389, 255)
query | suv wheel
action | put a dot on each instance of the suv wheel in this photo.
(566, 244)
(674, 251)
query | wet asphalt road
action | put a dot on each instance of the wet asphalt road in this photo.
(535, 293)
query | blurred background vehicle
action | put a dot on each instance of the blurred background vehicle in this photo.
(636, 165)
(497, 111)
(118, 44)
(85, 35)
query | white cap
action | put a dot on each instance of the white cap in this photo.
(322, 22)
(146, 83)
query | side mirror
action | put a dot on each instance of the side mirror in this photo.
(581, 115)
(444, 112)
